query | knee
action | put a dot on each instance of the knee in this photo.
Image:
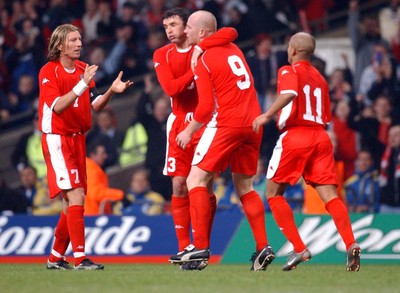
(179, 186)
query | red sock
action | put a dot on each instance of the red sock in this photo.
(61, 239)
(180, 207)
(254, 210)
(76, 228)
(284, 218)
(200, 213)
(341, 218)
(213, 201)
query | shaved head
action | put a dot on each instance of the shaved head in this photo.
(200, 25)
(204, 20)
(302, 45)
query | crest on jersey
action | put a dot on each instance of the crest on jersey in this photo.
(45, 80)
(156, 64)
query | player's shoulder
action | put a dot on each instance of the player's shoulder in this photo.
(164, 49)
(285, 70)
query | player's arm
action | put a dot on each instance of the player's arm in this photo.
(66, 100)
(118, 86)
(221, 37)
(170, 84)
(204, 109)
(205, 90)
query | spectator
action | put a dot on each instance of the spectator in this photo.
(362, 41)
(11, 201)
(107, 22)
(98, 189)
(153, 114)
(346, 137)
(362, 188)
(379, 77)
(32, 187)
(264, 66)
(236, 16)
(24, 99)
(107, 133)
(134, 146)
(90, 20)
(110, 56)
(28, 151)
(389, 178)
(339, 87)
(140, 199)
(389, 19)
(363, 120)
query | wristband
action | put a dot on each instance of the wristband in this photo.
(80, 88)
(199, 49)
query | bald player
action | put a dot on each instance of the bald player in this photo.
(227, 106)
(304, 149)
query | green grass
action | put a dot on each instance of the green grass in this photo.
(215, 278)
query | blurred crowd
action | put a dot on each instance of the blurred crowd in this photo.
(122, 35)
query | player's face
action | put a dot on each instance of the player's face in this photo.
(71, 49)
(192, 32)
(174, 29)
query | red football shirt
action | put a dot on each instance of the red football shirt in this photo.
(174, 73)
(311, 106)
(226, 88)
(54, 82)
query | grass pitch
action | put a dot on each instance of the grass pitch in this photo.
(214, 279)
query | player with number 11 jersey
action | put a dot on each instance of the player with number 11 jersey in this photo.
(311, 107)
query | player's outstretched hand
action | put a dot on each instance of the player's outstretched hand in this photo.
(259, 121)
(119, 86)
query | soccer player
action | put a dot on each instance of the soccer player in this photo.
(67, 94)
(173, 69)
(228, 105)
(304, 149)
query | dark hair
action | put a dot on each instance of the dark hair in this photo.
(182, 13)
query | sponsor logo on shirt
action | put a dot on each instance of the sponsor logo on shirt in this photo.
(45, 80)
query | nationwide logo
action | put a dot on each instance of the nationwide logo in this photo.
(179, 227)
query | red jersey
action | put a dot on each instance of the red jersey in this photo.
(311, 106)
(174, 73)
(54, 82)
(226, 89)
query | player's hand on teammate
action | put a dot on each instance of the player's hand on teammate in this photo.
(259, 121)
(90, 72)
(183, 138)
(195, 56)
(119, 86)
